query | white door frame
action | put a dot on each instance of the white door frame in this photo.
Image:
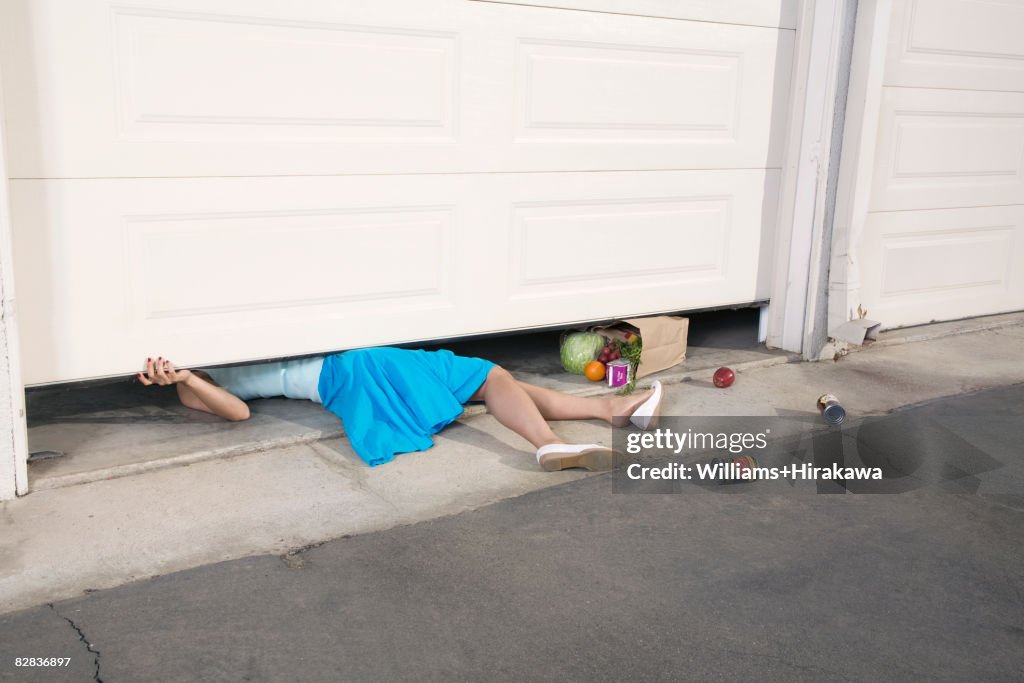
(860, 138)
(13, 428)
(801, 233)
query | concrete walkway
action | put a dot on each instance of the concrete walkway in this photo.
(122, 428)
(59, 542)
(573, 583)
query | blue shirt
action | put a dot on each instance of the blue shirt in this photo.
(290, 378)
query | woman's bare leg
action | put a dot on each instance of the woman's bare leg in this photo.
(525, 408)
(554, 405)
(510, 405)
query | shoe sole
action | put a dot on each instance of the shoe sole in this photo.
(595, 460)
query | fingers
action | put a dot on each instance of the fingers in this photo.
(172, 373)
(160, 371)
(154, 370)
(150, 377)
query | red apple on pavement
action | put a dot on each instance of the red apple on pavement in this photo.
(724, 377)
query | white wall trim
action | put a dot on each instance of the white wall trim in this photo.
(860, 136)
(842, 23)
(805, 170)
(13, 428)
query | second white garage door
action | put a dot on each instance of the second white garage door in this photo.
(944, 238)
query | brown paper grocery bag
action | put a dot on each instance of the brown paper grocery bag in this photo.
(664, 342)
(663, 337)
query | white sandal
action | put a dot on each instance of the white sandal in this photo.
(646, 415)
(562, 456)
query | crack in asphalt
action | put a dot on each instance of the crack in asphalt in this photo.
(293, 558)
(88, 645)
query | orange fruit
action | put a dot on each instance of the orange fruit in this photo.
(594, 371)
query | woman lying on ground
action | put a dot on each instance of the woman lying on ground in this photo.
(392, 400)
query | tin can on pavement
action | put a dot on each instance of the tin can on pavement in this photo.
(831, 410)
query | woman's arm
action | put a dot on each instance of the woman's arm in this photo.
(195, 390)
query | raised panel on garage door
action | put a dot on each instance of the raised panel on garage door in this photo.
(922, 266)
(947, 148)
(963, 44)
(602, 246)
(773, 13)
(224, 270)
(166, 88)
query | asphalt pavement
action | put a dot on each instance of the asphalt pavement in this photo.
(575, 583)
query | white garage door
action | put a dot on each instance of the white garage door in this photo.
(945, 236)
(225, 180)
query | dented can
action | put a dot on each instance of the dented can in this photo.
(831, 410)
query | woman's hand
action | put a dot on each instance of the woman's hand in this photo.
(162, 371)
(195, 389)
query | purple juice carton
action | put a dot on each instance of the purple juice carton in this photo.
(617, 373)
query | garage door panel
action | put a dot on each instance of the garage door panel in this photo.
(231, 269)
(772, 13)
(219, 270)
(966, 44)
(943, 148)
(683, 95)
(224, 88)
(689, 234)
(940, 265)
(190, 76)
(660, 94)
(674, 242)
(415, 240)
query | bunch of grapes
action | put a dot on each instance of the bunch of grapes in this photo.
(609, 353)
